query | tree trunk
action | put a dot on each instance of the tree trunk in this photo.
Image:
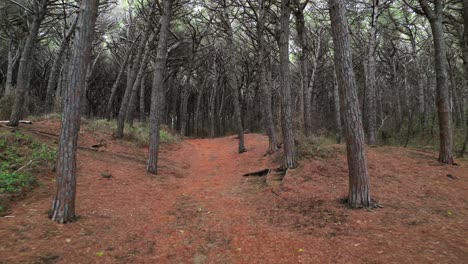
(359, 194)
(136, 85)
(336, 98)
(232, 79)
(212, 102)
(52, 82)
(63, 205)
(184, 96)
(371, 79)
(25, 64)
(132, 76)
(142, 97)
(305, 124)
(465, 68)
(443, 105)
(13, 55)
(109, 113)
(158, 88)
(290, 160)
(262, 82)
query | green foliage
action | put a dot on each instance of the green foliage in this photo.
(12, 182)
(19, 156)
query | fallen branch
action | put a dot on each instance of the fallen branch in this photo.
(27, 164)
(21, 121)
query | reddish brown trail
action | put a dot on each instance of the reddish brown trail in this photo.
(200, 209)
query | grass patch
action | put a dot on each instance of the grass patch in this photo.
(138, 133)
(315, 147)
(20, 158)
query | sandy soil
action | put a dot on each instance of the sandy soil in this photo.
(200, 209)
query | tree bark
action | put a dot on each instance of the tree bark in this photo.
(304, 124)
(232, 79)
(136, 85)
(53, 76)
(336, 97)
(63, 205)
(25, 64)
(13, 56)
(443, 105)
(359, 193)
(117, 82)
(465, 68)
(142, 97)
(371, 83)
(262, 82)
(132, 76)
(158, 88)
(290, 160)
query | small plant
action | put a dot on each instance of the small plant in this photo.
(314, 147)
(15, 182)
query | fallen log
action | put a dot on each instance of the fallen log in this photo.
(258, 173)
(21, 122)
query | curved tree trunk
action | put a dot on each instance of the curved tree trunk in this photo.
(158, 89)
(359, 194)
(63, 205)
(25, 64)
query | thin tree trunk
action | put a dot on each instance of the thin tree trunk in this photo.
(53, 76)
(336, 98)
(13, 56)
(136, 85)
(371, 83)
(142, 97)
(305, 123)
(290, 160)
(132, 76)
(212, 102)
(25, 64)
(232, 79)
(117, 82)
(359, 193)
(63, 205)
(158, 88)
(443, 105)
(184, 96)
(465, 68)
(262, 82)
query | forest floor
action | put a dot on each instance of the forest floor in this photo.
(200, 209)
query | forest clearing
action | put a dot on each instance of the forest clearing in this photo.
(233, 131)
(200, 209)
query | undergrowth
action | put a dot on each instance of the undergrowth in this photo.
(315, 147)
(138, 133)
(20, 159)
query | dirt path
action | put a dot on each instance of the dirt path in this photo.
(201, 210)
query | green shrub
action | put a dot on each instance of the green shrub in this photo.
(18, 150)
(12, 182)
